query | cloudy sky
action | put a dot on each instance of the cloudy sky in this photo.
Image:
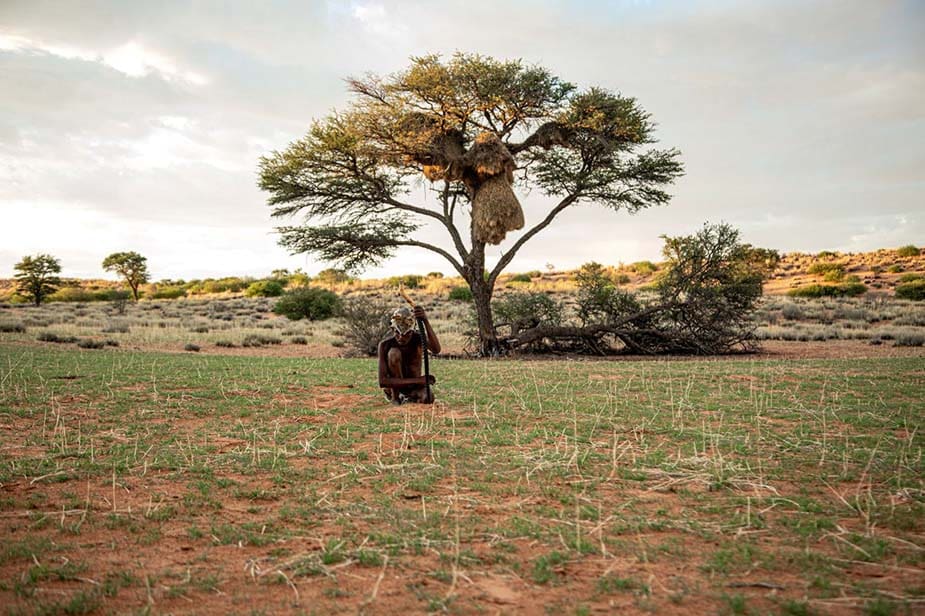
(138, 125)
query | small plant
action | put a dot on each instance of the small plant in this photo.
(460, 294)
(264, 288)
(53, 337)
(228, 344)
(12, 327)
(298, 340)
(896, 268)
(259, 340)
(366, 323)
(409, 281)
(520, 278)
(905, 339)
(89, 343)
(914, 290)
(189, 346)
(910, 250)
(312, 303)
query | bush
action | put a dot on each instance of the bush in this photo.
(366, 323)
(908, 251)
(89, 343)
(228, 344)
(832, 272)
(792, 312)
(520, 278)
(189, 346)
(53, 337)
(911, 277)
(914, 290)
(264, 288)
(896, 268)
(850, 289)
(259, 340)
(643, 267)
(435, 274)
(310, 303)
(461, 294)
(298, 340)
(168, 292)
(535, 274)
(522, 311)
(827, 254)
(409, 281)
(12, 327)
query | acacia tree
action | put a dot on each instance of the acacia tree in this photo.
(352, 175)
(37, 276)
(131, 266)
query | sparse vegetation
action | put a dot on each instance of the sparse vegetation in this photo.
(910, 250)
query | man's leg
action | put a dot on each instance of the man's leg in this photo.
(394, 371)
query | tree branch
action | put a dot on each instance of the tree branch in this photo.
(509, 255)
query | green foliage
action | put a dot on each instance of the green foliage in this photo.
(409, 281)
(77, 294)
(848, 289)
(264, 288)
(914, 290)
(461, 294)
(332, 276)
(37, 277)
(168, 292)
(896, 268)
(599, 300)
(131, 266)
(520, 278)
(312, 303)
(643, 267)
(909, 250)
(833, 272)
(435, 274)
(910, 277)
(826, 254)
(366, 323)
(259, 340)
(523, 310)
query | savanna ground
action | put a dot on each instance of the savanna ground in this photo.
(258, 472)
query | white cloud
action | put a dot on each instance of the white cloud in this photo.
(131, 59)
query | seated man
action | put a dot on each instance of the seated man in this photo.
(400, 358)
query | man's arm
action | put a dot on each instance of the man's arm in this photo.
(433, 343)
(387, 381)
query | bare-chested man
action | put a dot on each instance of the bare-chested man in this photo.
(400, 358)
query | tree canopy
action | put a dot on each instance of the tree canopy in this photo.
(37, 277)
(131, 266)
(351, 177)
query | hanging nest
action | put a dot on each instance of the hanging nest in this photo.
(486, 168)
(495, 210)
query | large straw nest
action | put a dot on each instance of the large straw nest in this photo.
(488, 156)
(495, 210)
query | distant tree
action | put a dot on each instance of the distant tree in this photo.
(332, 276)
(131, 266)
(37, 277)
(471, 125)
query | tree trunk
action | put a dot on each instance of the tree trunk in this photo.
(134, 291)
(481, 296)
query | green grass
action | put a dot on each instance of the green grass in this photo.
(646, 482)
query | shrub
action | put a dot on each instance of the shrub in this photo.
(911, 277)
(189, 346)
(409, 281)
(12, 327)
(366, 323)
(53, 337)
(792, 312)
(827, 254)
(89, 343)
(643, 267)
(909, 250)
(914, 290)
(435, 274)
(116, 328)
(521, 311)
(622, 279)
(461, 294)
(831, 271)
(520, 278)
(312, 303)
(264, 288)
(228, 344)
(896, 268)
(535, 274)
(168, 292)
(332, 276)
(909, 339)
(259, 340)
(298, 340)
(850, 289)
